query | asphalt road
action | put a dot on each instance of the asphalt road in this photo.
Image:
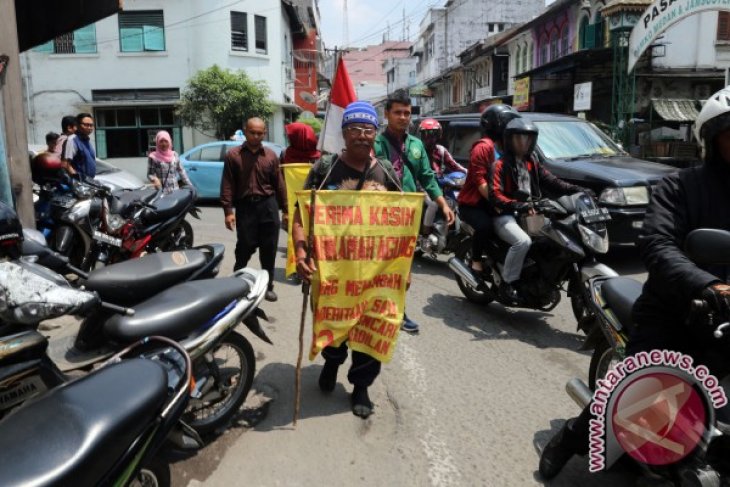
(469, 401)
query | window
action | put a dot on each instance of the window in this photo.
(569, 139)
(583, 33)
(525, 55)
(239, 31)
(564, 41)
(554, 46)
(544, 45)
(260, 26)
(141, 30)
(80, 41)
(211, 153)
(723, 26)
(518, 59)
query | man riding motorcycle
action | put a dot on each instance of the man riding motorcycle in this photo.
(473, 197)
(514, 179)
(442, 162)
(693, 198)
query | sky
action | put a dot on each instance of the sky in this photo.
(369, 19)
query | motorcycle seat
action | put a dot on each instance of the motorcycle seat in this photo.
(620, 294)
(178, 311)
(132, 281)
(169, 206)
(76, 433)
(122, 199)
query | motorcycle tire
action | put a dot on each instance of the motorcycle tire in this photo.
(154, 474)
(601, 361)
(232, 391)
(478, 297)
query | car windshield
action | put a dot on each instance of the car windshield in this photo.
(574, 139)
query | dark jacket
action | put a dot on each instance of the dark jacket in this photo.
(693, 198)
(503, 183)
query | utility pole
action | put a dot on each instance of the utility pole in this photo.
(345, 25)
(403, 37)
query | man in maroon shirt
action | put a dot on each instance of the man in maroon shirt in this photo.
(253, 185)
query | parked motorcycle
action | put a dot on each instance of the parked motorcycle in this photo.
(104, 428)
(612, 301)
(444, 239)
(199, 314)
(566, 236)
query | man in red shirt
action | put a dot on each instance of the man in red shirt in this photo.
(473, 207)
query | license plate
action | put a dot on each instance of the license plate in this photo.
(21, 391)
(107, 239)
(595, 215)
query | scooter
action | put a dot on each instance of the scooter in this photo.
(443, 239)
(199, 314)
(567, 234)
(105, 428)
(612, 301)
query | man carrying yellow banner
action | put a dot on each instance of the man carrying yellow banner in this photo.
(363, 246)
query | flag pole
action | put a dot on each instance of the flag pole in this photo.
(306, 285)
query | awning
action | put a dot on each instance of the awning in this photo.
(39, 21)
(676, 110)
(420, 90)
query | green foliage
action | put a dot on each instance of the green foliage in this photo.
(315, 123)
(220, 100)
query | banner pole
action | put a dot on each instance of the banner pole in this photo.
(305, 301)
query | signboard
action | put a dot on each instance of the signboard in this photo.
(582, 96)
(521, 98)
(661, 15)
(481, 93)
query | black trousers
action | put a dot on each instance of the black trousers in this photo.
(698, 344)
(478, 217)
(257, 227)
(364, 368)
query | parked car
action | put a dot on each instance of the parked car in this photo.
(106, 173)
(577, 151)
(204, 165)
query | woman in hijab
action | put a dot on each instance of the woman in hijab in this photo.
(302, 144)
(163, 165)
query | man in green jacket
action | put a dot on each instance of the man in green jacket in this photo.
(410, 161)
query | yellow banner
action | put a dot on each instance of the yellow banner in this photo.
(295, 175)
(363, 245)
(521, 97)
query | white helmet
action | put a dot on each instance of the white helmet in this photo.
(709, 122)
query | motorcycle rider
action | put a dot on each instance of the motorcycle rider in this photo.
(515, 178)
(442, 162)
(697, 197)
(473, 207)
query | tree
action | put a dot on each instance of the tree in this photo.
(220, 100)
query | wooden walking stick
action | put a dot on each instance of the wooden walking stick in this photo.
(305, 301)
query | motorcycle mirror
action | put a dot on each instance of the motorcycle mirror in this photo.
(708, 246)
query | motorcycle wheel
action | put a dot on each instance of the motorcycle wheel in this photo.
(180, 238)
(473, 295)
(154, 474)
(604, 357)
(231, 383)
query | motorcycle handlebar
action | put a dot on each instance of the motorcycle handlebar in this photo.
(118, 309)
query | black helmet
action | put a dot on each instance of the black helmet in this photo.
(520, 126)
(11, 232)
(495, 118)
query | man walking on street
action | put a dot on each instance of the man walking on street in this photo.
(410, 161)
(253, 185)
(354, 169)
(79, 156)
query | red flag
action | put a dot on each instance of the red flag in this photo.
(342, 94)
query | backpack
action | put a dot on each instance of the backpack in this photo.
(326, 162)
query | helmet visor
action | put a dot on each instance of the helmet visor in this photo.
(522, 143)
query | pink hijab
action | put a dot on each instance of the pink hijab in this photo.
(165, 156)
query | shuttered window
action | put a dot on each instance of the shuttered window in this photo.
(723, 26)
(239, 31)
(260, 25)
(141, 30)
(80, 41)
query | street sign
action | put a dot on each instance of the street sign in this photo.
(582, 96)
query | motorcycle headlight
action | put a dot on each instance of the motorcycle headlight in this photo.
(594, 241)
(79, 211)
(634, 195)
(115, 223)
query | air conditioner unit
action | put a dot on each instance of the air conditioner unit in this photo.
(702, 92)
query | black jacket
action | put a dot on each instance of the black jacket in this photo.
(692, 198)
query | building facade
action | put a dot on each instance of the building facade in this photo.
(128, 69)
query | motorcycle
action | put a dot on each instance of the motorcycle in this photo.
(200, 314)
(105, 428)
(567, 233)
(444, 239)
(612, 302)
